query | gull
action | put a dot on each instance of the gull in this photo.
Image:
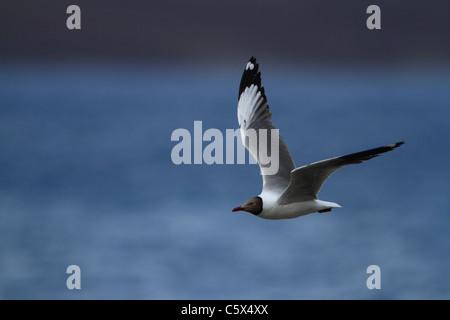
(291, 192)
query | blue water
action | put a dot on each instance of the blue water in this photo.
(86, 178)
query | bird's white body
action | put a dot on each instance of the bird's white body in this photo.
(275, 211)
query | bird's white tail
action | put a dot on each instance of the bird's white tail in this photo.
(326, 206)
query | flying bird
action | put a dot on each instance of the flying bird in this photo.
(291, 192)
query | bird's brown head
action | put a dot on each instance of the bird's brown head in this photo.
(253, 205)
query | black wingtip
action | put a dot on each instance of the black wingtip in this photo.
(369, 154)
(398, 144)
(251, 75)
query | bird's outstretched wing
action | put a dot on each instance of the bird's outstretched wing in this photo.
(253, 115)
(306, 181)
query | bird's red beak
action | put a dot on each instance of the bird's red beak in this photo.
(237, 209)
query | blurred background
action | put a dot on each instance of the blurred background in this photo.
(86, 177)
